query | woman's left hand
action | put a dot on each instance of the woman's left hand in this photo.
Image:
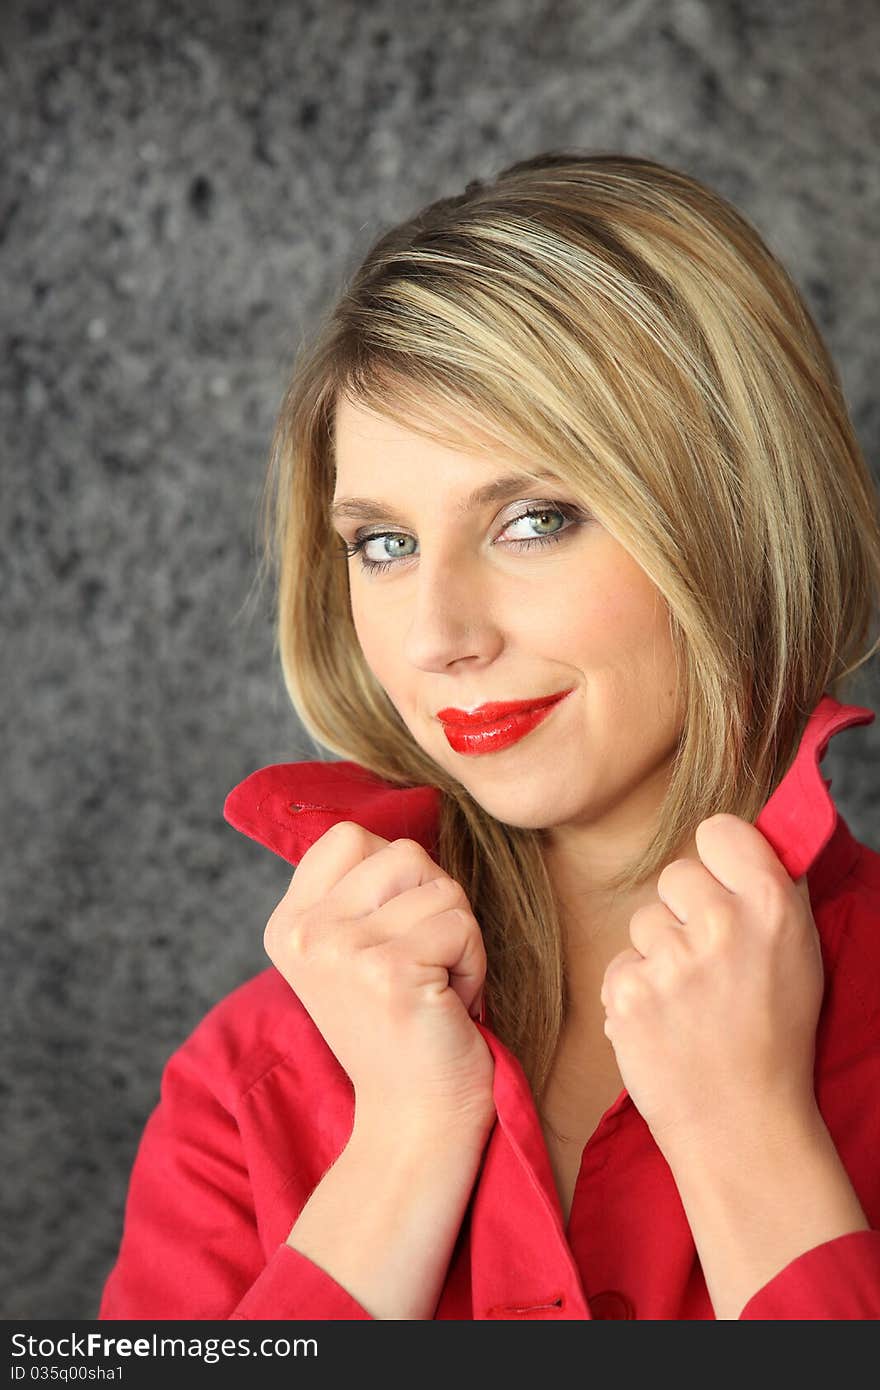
(712, 1012)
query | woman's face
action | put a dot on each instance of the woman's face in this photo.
(466, 612)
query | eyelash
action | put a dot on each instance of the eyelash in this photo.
(569, 512)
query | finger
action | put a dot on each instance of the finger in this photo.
(734, 850)
(687, 890)
(624, 958)
(343, 921)
(400, 914)
(447, 951)
(381, 876)
(329, 859)
(653, 928)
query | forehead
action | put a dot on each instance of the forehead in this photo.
(429, 434)
(359, 429)
(373, 452)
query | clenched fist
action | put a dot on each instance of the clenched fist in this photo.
(383, 951)
(712, 1011)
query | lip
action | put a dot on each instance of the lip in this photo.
(479, 737)
(496, 710)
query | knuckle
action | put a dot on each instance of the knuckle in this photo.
(289, 937)
(406, 842)
(337, 837)
(409, 849)
(628, 993)
(470, 927)
(451, 892)
(380, 969)
(296, 944)
(317, 848)
(345, 831)
(269, 937)
(275, 926)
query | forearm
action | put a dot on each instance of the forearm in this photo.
(758, 1196)
(384, 1219)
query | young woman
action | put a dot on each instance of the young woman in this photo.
(574, 996)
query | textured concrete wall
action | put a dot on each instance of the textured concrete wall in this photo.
(182, 185)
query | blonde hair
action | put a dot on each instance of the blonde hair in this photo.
(620, 323)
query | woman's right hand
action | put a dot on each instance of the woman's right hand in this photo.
(381, 947)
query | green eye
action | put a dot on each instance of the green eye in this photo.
(567, 511)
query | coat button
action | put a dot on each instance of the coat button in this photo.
(610, 1303)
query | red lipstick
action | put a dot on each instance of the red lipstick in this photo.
(496, 725)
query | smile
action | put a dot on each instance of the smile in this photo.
(503, 732)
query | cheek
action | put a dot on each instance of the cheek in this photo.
(614, 619)
(367, 630)
(381, 643)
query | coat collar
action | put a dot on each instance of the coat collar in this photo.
(288, 806)
(516, 1209)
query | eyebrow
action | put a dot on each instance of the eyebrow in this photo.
(366, 509)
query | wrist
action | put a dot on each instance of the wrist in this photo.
(757, 1194)
(394, 1132)
(731, 1136)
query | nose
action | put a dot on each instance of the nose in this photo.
(452, 615)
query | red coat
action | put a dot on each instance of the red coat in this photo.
(255, 1108)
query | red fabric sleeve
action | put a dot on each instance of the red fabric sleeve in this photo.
(839, 1279)
(292, 1286)
(190, 1246)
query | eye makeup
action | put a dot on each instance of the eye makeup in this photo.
(568, 511)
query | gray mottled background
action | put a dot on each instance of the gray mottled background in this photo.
(182, 187)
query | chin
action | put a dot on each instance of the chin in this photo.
(515, 811)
